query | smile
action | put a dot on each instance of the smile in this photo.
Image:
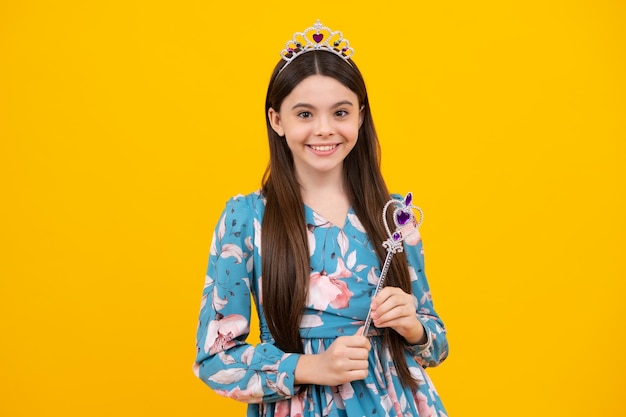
(323, 148)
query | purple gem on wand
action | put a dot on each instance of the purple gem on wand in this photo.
(402, 218)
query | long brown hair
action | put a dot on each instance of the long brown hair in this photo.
(285, 264)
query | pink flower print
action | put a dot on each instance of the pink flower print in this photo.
(226, 359)
(311, 320)
(248, 243)
(253, 394)
(257, 235)
(417, 374)
(427, 297)
(423, 408)
(223, 330)
(279, 386)
(325, 290)
(372, 276)
(343, 242)
(346, 391)
(228, 376)
(218, 303)
(235, 251)
(292, 408)
(221, 230)
(319, 221)
(247, 355)
(282, 409)
(297, 406)
(343, 298)
(321, 291)
(356, 223)
(254, 389)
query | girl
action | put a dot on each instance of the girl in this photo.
(307, 248)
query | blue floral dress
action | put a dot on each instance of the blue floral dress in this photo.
(343, 279)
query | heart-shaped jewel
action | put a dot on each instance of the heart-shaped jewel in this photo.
(402, 217)
(317, 37)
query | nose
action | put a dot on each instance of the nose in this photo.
(324, 127)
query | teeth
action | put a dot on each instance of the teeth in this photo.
(323, 148)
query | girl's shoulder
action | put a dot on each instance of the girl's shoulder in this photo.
(252, 204)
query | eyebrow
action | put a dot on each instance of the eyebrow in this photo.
(310, 106)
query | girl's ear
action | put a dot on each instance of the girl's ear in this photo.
(275, 122)
(361, 112)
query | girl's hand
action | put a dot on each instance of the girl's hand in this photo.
(394, 308)
(345, 360)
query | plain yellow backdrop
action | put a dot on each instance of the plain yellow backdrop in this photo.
(126, 125)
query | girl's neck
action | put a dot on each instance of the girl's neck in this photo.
(326, 185)
(327, 198)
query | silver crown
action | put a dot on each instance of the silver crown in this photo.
(315, 38)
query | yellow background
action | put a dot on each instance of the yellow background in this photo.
(125, 126)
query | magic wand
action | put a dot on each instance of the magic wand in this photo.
(406, 225)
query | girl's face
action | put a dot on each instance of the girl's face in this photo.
(320, 121)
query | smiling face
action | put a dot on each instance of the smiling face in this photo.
(320, 122)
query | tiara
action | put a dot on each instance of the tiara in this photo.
(314, 38)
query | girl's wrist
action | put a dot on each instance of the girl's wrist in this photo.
(416, 334)
(305, 369)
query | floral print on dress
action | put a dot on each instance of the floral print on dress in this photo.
(344, 271)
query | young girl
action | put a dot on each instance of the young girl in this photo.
(308, 248)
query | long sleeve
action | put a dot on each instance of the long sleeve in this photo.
(225, 361)
(435, 350)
